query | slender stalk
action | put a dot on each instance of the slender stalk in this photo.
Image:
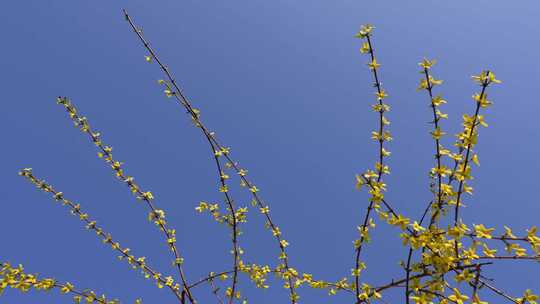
(92, 225)
(409, 258)
(106, 154)
(467, 155)
(380, 166)
(177, 93)
(437, 146)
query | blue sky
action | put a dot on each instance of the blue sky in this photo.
(283, 84)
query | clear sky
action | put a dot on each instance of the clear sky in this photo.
(283, 84)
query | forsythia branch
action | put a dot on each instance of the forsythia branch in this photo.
(438, 259)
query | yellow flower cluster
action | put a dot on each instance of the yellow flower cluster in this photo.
(17, 278)
(240, 214)
(172, 90)
(436, 254)
(373, 178)
(442, 250)
(442, 190)
(105, 152)
(75, 209)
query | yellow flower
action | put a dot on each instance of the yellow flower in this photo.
(508, 232)
(529, 297)
(168, 92)
(475, 160)
(482, 100)
(457, 297)
(483, 232)
(399, 221)
(365, 31)
(438, 100)
(485, 78)
(202, 206)
(427, 64)
(373, 65)
(381, 95)
(148, 195)
(365, 48)
(68, 287)
(359, 182)
(476, 300)
(489, 252)
(437, 134)
(417, 227)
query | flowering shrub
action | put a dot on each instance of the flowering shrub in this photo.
(445, 256)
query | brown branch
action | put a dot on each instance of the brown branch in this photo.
(182, 99)
(380, 166)
(92, 225)
(438, 155)
(485, 84)
(147, 197)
